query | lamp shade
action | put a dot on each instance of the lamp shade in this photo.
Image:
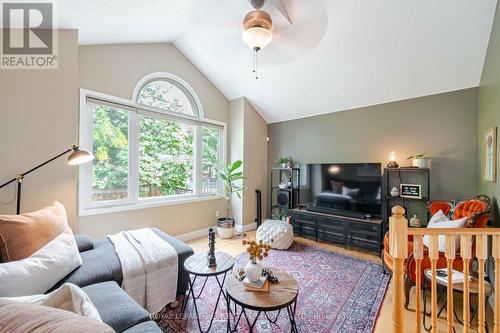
(79, 156)
(257, 37)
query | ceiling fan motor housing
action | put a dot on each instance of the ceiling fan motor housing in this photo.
(257, 18)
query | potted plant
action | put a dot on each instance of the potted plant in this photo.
(284, 162)
(419, 160)
(232, 178)
(256, 251)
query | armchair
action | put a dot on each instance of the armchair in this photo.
(476, 209)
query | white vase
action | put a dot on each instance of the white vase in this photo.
(253, 271)
(420, 162)
(395, 192)
(415, 221)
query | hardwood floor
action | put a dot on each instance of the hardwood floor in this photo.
(384, 321)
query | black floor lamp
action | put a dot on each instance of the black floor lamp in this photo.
(77, 157)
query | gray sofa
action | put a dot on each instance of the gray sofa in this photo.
(100, 276)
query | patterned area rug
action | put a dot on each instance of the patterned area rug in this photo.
(338, 293)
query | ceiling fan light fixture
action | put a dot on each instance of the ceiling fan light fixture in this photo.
(257, 26)
(257, 37)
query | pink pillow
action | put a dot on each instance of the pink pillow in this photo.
(22, 235)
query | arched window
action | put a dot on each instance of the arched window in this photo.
(158, 147)
(168, 92)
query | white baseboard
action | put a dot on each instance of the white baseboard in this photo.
(193, 235)
(246, 227)
(204, 232)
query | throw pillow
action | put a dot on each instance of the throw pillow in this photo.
(351, 192)
(22, 235)
(67, 297)
(22, 318)
(336, 186)
(440, 220)
(43, 269)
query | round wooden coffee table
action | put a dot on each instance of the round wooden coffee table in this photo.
(196, 265)
(282, 295)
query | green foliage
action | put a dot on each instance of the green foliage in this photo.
(280, 213)
(416, 157)
(232, 179)
(165, 157)
(283, 160)
(166, 148)
(110, 147)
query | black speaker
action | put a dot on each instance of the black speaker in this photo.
(283, 199)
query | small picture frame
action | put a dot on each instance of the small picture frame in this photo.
(410, 191)
(490, 155)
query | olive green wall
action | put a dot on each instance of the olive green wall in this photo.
(445, 125)
(489, 109)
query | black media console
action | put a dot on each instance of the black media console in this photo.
(364, 233)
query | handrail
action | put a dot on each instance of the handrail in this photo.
(454, 231)
(473, 244)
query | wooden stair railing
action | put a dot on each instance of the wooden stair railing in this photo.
(398, 248)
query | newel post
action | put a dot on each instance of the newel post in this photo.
(398, 249)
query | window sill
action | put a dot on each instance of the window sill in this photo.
(147, 204)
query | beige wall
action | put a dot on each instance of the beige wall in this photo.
(445, 125)
(248, 132)
(115, 70)
(38, 120)
(236, 134)
(256, 170)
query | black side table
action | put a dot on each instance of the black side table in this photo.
(196, 265)
(457, 287)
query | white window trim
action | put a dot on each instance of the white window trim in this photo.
(86, 207)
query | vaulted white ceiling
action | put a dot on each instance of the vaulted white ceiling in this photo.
(326, 55)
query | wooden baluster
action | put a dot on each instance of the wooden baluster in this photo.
(481, 253)
(466, 254)
(398, 249)
(496, 256)
(434, 256)
(418, 254)
(450, 256)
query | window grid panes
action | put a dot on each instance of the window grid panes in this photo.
(166, 160)
(110, 148)
(141, 155)
(166, 95)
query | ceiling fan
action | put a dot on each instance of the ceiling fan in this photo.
(257, 26)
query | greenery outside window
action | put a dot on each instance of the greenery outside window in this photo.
(156, 149)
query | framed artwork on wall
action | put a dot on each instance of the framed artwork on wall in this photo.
(490, 155)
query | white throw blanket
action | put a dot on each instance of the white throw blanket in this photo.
(149, 266)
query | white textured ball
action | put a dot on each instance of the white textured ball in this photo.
(280, 231)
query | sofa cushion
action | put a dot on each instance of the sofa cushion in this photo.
(115, 306)
(98, 265)
(21, 318)
(84, 242)
(102, 264)
(145, 327)
(22, 235)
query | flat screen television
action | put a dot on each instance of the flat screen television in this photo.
(350, 189)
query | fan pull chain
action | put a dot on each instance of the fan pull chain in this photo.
(255, 63)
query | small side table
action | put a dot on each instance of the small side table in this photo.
(282, 295)
(457, 287)
(196, 265)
